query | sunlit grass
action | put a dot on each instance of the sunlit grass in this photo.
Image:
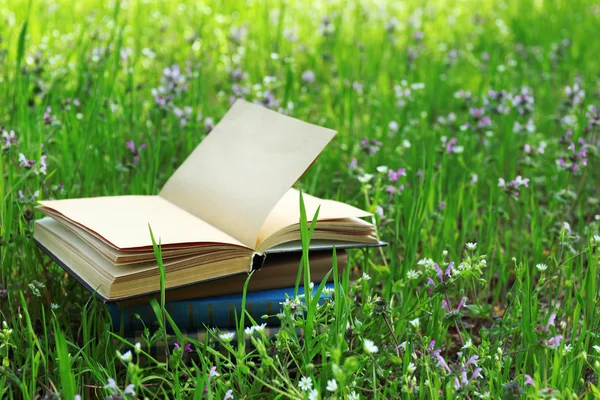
(78, 80)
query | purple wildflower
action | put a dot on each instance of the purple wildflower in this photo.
(308, 77)
(523, 101)
(513, 186)
(529, 126)
(358, 87)
(395, 175)
(353, 164)
(432, 283)
(461, 304)
(238, 34)
(551, 321)
(484, 122)
(239, 92)
(577, 158)
(327, 28)
(477, 113)
(440, 360)
(188, 348)
(593, 117)
(575, 94)
(173, 82)
(529, 381)
(209, 124)
(184, 115)
(268, 100)
(213, 373)
(135, 152)
(43, 166)
(472, 361)
(554, 342)
(237, 75)
(370, 146)
(48, 118)
(9, 138)
(450, 145)
(176, 346)
(24, 162)
(445, 306)
(391, 190)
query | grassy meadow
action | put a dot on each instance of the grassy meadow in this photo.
(470, 129)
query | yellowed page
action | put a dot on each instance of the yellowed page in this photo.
(112, 281)
(287, 212)
(123, 221)
(239, 172)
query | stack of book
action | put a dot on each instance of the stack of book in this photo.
(226, 211)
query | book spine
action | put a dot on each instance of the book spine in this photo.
(201, 313)
(191, 315)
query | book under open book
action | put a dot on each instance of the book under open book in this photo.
(224, 209)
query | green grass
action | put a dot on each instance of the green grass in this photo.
(56, 338)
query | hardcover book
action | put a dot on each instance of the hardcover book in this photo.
(227, 207)
(219, 311)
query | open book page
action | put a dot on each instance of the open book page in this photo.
(239, 172)
(122, 221)
(287, 213)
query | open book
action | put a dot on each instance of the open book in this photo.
(227, 206)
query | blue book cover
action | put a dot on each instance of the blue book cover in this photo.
(212, 312)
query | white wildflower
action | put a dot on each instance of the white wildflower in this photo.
(111, 385)
(313, 395)
(411, 368)
(411, 274)
(305, 384)
(332, 385)
(365, 178)
(126, 357)
(227, 336)
(428, 263)
(353, 396)
(370, 347)
(129, 390)
(415, 323)
(541, 267)
(471, 246)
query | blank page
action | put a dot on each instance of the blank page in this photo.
(239, 172)
(123, 221)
